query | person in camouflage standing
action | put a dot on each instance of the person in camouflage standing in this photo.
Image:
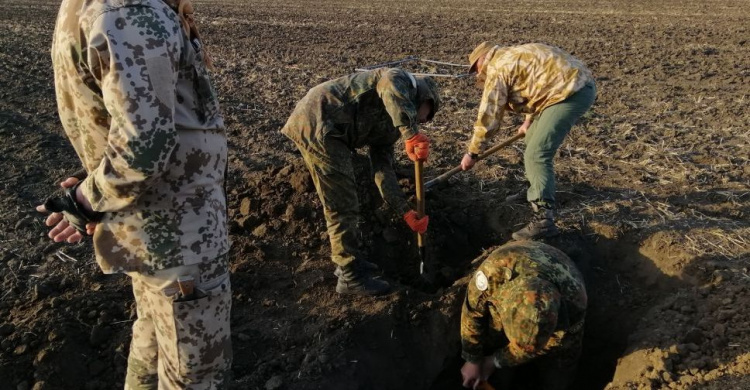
(136, 102)
(373, 108)
(525, 304)
(553, 89)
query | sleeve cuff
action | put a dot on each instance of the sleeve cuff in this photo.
(497, 361)
(474, 148)
(402, 207)
(469, 357)
(408, 131)
(87, 189)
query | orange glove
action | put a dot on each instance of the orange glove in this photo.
(416, 224)
(418, 147)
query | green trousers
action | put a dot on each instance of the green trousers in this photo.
(333, 176)
(544, 137)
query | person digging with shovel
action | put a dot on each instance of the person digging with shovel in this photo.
(373, 108)
(553, 89)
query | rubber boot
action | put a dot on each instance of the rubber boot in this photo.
(356, 281)
(362, 265)
(541, 226)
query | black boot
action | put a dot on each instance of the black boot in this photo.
(541, 226)
(362, 265)
(354, 280)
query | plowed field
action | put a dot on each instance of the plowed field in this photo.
(653, 186)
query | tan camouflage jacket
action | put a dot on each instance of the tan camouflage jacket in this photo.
(373, 108)
(524, 79)
(136, 102)
(525, 300)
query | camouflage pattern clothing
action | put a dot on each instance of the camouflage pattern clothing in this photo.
(178, 343)
(372, 108)
(526, 300)
(135, 100)
(524, 79)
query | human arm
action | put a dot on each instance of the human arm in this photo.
(132, 53)
(474, 320)
(381, 160)
(491, 109)
(397, 89)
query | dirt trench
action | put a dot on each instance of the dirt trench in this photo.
(410, 339)
(630, 275)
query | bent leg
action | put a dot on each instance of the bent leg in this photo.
(337, 190)
(545, 136)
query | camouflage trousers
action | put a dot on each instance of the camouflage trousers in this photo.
(333, 175)
(181, 343)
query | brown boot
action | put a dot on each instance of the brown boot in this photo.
(354, 280)
(541, 226)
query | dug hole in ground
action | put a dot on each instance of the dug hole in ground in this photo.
(658, 316)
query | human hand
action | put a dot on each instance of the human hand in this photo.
(418, 147)
(467, 162)
(525, 126)
(471, 374)
(416, 224)
(62, 230)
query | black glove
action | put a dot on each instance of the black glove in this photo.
(71, 209)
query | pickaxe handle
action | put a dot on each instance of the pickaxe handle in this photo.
(482, 156)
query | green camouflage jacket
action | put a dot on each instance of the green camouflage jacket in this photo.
(372, 108)
(525, 300)
(136, 102)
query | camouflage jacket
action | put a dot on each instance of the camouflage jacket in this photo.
(372, 108)
(136, 102)
(524, 79)
(525, 300)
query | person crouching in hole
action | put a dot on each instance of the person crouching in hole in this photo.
(373, 108)
(525, 305)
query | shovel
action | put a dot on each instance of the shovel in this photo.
(419, 181)
(444, 177)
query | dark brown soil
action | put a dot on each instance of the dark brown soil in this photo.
(653, 190)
